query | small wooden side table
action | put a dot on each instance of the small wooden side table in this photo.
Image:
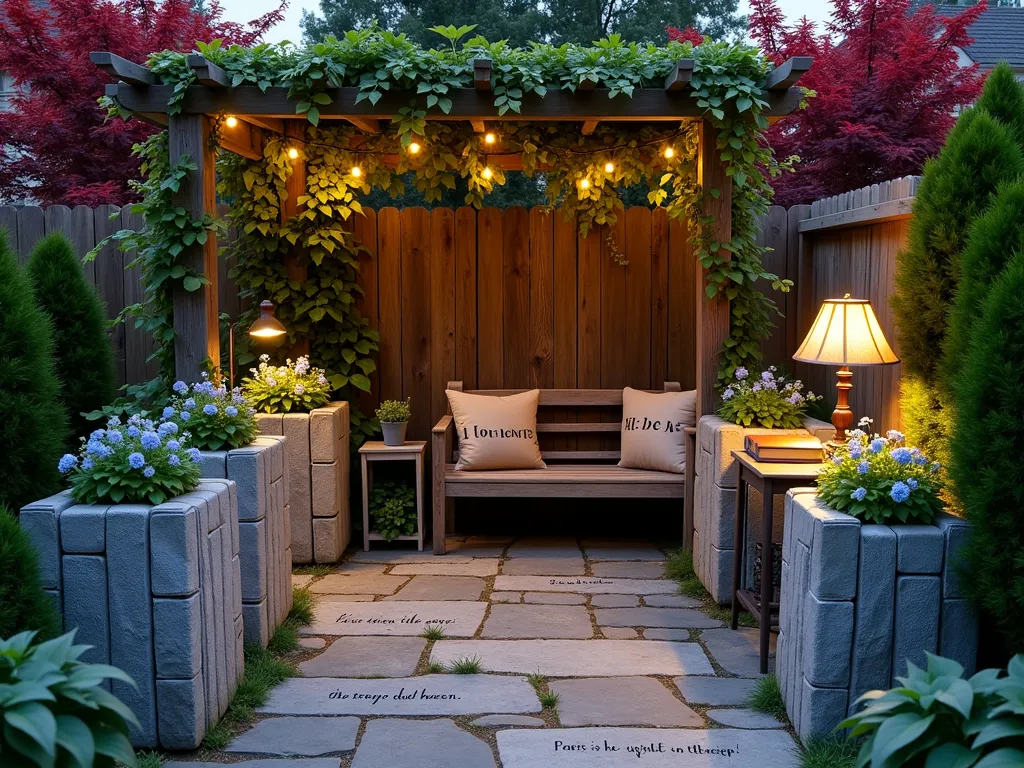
(770, 478)
(413, 450)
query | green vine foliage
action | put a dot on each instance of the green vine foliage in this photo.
(584, 174)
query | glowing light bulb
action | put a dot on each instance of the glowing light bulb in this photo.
(293, 154)
(609, 167)
(231, 121)
(584, 183)
(490, 138)
(669, 153)
(357, 171)
(414, 148)
(487, 173)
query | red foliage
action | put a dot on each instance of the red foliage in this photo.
(57, 146)
(887, 82)
(688, 35)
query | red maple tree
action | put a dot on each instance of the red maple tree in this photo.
(688, 35)
(888, 84)
(58, 146)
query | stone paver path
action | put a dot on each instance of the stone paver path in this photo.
(529, 653)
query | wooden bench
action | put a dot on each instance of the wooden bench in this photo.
(581, 455)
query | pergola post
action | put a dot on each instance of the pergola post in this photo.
(197, 333)
(712, 314)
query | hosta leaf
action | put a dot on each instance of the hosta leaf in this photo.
(75, 738)
(35, 721)
(114, 744)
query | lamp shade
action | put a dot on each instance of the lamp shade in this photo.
(846, 332)
(267, 326)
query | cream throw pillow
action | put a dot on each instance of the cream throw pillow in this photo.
(652, 429)
(496, 432)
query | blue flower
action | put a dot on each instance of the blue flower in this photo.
(210, 409)
(863, 467)
(766, 376)
(837, 461)
(136, 460)
(149, 471)
(859, 494)
(67, 462)
(87, 463)
(895, 435)
(135, 418)
(231, 411)
(185, 415)
(96, 448)
(900, 492)
(757, 386)
(168, 412)
(190, 403)
(113, 421)
(134, 431)
(876, 445)
(114, 436)
(173, 445)
(150, 440)
(147, 424)
(193, 453)
(856, 450)
(167, 428)
(728, 394)
(180, 386)
(97, 434)
(741, 373)
(174, 460)
(912, 483)
(901, 455)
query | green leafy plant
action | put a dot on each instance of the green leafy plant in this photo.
(288, 388)
(770, 400)
(393, 509)
(215, 419)
(881, 480)
(394, 411)
(54, 708)
(936, 718)
(132, 463)
(23, 603)
(33, 424)
(83, 356)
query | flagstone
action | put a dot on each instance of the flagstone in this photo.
(299, 736)
(440, 588)
(578, 658)
(312, 643)
(554, 598)
(277, 762)
(672, 601)
(634, 570)
(614, 601)
(591, 585)
(420, 744)
(601, 549)
(547, 621)
(545, 547)
(621, 701)
(505, 597)
(502, 541)
(544, 566)
(648, 747)
(654, 617)
(744, 718)
(389, 556)
(301, 580)
(458, 618)
(416, 696)
(367, 657)
(655, 633)
(358, 583)
(716, 691)
(620, 633)
(503, 721)
(441, 567)
(737, 650)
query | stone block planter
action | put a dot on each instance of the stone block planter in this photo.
(157, 591)
(317, 482)
(259, 470)
(714, 501)
(858, 601)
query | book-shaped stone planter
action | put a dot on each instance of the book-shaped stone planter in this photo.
(156, 591)
(259, 471)
(317, 480)
(858, 601)
(714, 499)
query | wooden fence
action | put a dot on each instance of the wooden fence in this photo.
(515, 298)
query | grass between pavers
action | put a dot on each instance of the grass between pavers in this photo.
(311, 570)
(829, 752)
(264, 669)
(767, 698)
(679, 568)
(465, 665)
(148, 760)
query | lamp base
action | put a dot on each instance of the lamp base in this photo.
(842, 416)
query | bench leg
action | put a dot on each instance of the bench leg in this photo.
(440, 518)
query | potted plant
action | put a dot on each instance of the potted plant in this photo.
(869, 580)
(294, 400)
(393, 509)
(393, 416)
(223, 427)
(768, 402)
(142, 557)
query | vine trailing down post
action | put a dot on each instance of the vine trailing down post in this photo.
(584, 174)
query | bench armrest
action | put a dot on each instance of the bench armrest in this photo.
(444, 424)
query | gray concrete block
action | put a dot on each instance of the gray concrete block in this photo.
(328, 426)
(174, 544)
(958, 634)
(256, 622)
(828, 628)
(956, 531)
(296, 430)
(83, 529)
(239, 647)
(246, 468)
(871, 661)
(178, 636)
(822, 709)
(236, 584)
(327, 544)
(916, 622)
(253, 559)
(834, 551)
(39, 521)
(222, 598)
(213, 464)
(181, 713)
(326, 480)
(301, 525)
(919, 548)
(276, 445)
(269, 423)
(85, 604)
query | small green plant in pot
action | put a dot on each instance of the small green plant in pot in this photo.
(393, 416)
(290, 388)
(393, 509)
(769, 400)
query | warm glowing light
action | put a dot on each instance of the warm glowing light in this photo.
(669, 153)
(609, 167)
(487, 173)
(231, 121)
(584, 183)
(414, 148)
(293, 154)
(357, 171)
(490, 138)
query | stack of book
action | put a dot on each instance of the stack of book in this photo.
(789, 449)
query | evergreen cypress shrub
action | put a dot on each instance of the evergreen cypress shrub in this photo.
(979, 155)
(1003, 98)
(82, 353)
(987, 445)
(23, 603)
(33, 424)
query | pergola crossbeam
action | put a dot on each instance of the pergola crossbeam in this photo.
(366, 125)
(122, 69)
(589, 127)
(785, 76)
(478, 126)
(208, 73)
(680, 75)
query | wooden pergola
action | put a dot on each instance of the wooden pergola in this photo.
(266, 115)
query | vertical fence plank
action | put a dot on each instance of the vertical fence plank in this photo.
(389, 302)
(465, 298)
(442, 308)
(773, 236)
(637, 316)
(490, 352)
(110, 281)
(613, 308)
(542, 317)
(589, 320)
(682, 306)
(138, 343)
(516, 291)
(364, 229)
(9, 225)
(31, 229)
(565, 317)
(416, 319)
(659, 297)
